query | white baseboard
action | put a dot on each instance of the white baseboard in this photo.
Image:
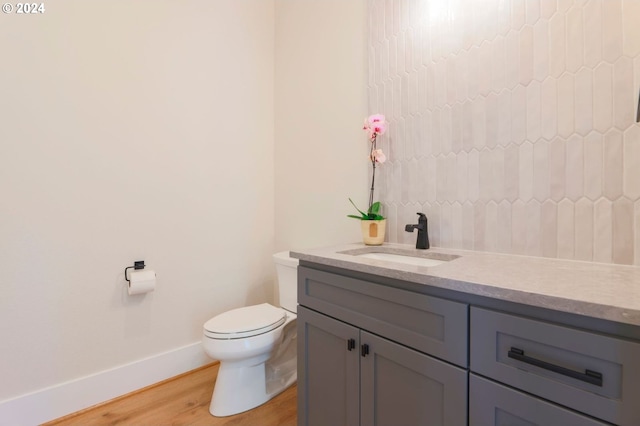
(66, 398)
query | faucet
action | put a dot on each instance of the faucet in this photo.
(423, 233)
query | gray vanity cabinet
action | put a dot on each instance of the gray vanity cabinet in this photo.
(357, 357)
(435, 356)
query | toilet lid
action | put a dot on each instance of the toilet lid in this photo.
(245, 322)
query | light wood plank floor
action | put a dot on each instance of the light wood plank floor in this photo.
(182, 400)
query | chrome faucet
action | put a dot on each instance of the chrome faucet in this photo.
(423, 233)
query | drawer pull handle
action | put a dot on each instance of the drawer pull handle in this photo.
(588, 376)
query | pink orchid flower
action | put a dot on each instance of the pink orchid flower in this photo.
(375, 125)
(379, 128)
(378, 156)
(376, 118)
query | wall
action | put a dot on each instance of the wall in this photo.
(130, 131)
(321, 151)
(512, 124)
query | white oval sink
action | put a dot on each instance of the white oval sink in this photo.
(398, 258)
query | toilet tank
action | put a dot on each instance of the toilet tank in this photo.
(287, 270)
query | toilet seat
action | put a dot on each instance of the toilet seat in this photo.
(245, 322)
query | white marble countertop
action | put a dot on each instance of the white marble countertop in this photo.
(598, 290)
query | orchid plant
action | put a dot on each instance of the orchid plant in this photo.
(375, 126)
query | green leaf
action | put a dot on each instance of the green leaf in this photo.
(354, 205)
(375, 208)
(372, 214)
(355, 217)
(375, 217)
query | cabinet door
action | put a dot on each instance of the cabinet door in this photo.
(492, 404)
(403, 387)
(328, 371)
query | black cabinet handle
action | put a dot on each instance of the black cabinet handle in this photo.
(364, 350)
(588, 376)
(351, 344)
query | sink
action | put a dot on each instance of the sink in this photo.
(398, 258)
(395, 254)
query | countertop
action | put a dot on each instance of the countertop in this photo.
(598, 290)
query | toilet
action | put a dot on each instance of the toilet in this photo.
(256, 347)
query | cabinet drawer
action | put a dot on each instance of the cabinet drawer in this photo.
(592, 373)
(495, 405)
(428, 324)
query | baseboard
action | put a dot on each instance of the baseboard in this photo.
(60, 400)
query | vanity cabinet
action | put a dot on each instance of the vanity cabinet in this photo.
(370, 354)
(376, 350)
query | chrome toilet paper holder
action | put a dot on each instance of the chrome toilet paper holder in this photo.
(138, 264)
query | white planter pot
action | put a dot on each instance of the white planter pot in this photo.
(373, 231)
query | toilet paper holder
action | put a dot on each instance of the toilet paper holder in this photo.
(138, 264)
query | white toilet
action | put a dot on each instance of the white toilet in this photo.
(256, 347)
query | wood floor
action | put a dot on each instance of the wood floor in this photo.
(183, 400)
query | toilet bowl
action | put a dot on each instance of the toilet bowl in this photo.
(256, 347)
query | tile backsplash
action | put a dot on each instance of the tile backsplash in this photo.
(511, 124)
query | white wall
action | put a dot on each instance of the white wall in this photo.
(321, 151)
(130, 131)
